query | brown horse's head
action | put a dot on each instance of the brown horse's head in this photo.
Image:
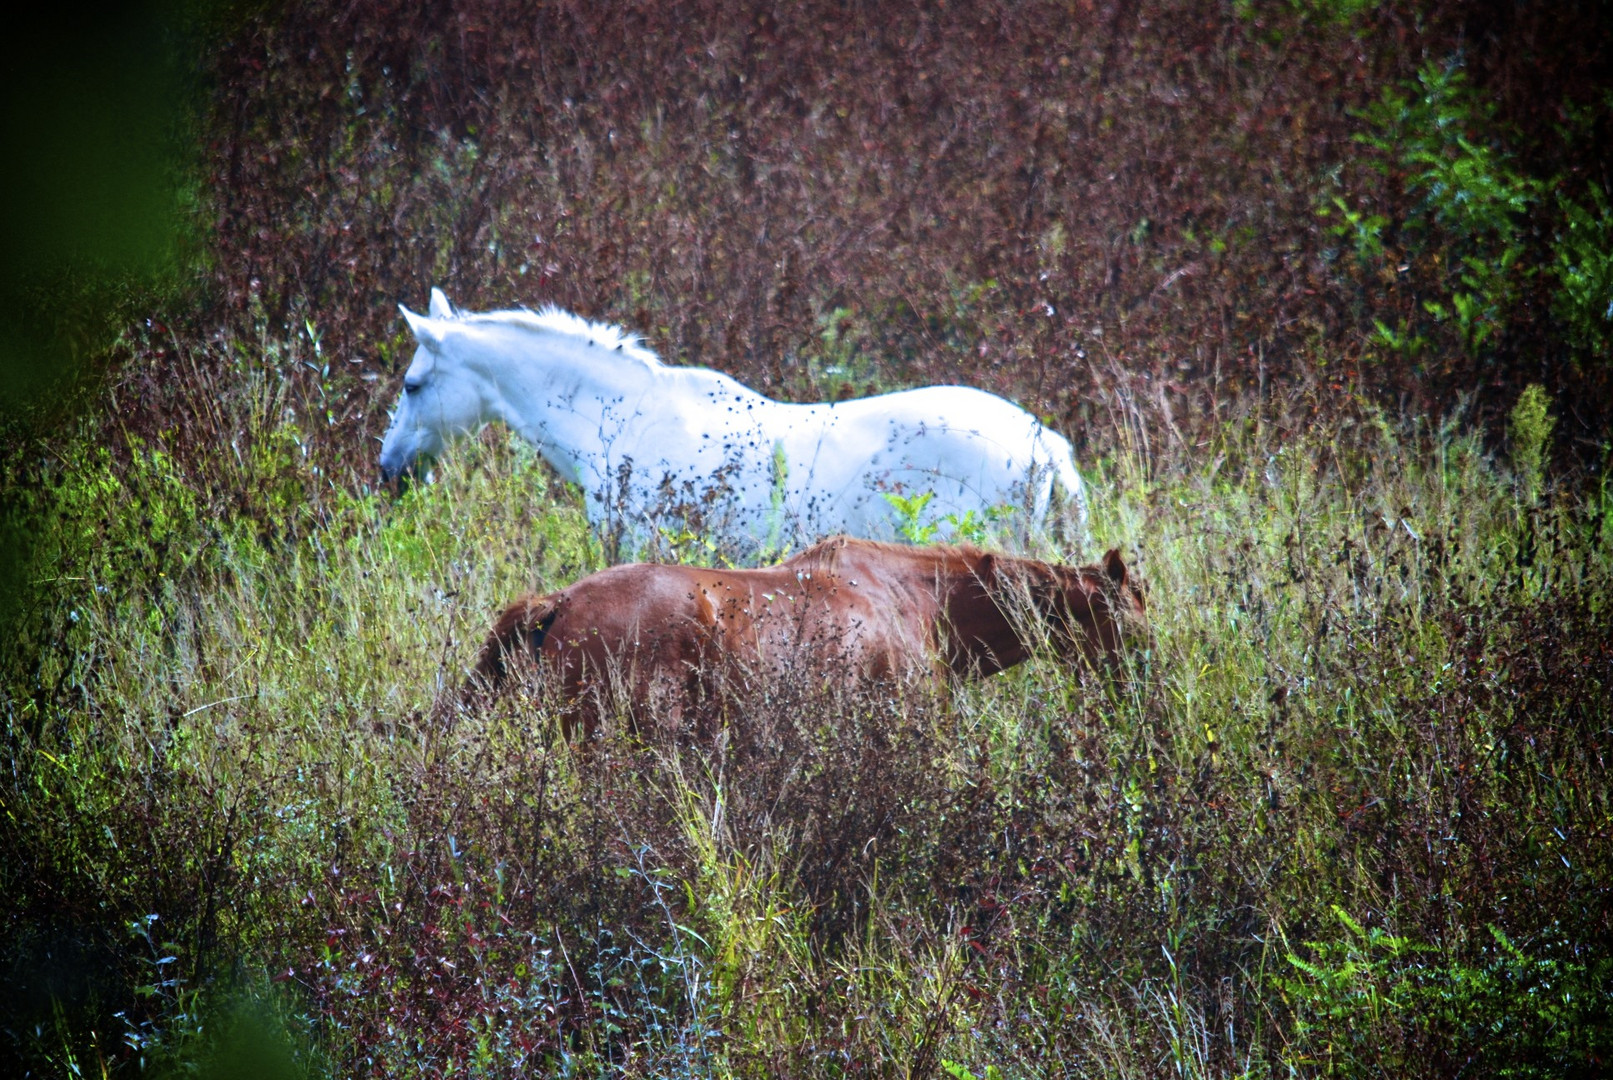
(1119, 608)
(1094, 611)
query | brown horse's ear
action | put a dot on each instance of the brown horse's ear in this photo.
(1114, 566)
(986, 568)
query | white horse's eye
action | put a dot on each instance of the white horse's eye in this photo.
(411, 386)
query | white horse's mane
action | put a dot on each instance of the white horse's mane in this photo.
(602, 335)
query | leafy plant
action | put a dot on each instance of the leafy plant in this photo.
(1363, 230)
(773, 548)
(1346, 995)
(1464, 236)
(976, 527)
(1371, 1003)
(1530, 427)
(909, 509)
(1584, 270)
(969, 527)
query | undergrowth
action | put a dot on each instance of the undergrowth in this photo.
(1348, 815)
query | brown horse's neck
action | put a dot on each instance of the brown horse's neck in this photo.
(982, 634)
(993, 608)
(985, 647)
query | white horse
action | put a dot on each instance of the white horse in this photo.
(657, 449)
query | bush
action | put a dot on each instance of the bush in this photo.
(1584, 270)
(1463, 237)
(1372, 1003)
(1530, 428)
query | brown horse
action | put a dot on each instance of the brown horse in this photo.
(656, 639)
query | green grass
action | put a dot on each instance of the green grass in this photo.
(1348, 816)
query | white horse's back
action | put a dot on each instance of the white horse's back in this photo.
(660, 450)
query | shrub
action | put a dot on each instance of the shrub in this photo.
(1530, 428)
(1463, 237)
(1584, 270)
(1373, 1003)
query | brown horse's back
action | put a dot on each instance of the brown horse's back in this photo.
(651, 639)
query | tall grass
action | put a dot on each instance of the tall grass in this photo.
(1348, 814)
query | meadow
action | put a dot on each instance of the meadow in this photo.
(1318, 289)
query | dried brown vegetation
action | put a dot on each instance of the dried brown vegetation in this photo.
(1035, 198)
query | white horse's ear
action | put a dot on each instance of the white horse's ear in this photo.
(424, 332)
(438, 308)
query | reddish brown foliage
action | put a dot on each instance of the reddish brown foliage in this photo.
(997, 194)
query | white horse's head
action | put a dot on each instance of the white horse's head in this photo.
(437, 402)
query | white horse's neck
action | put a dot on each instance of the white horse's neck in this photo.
(566, 385)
